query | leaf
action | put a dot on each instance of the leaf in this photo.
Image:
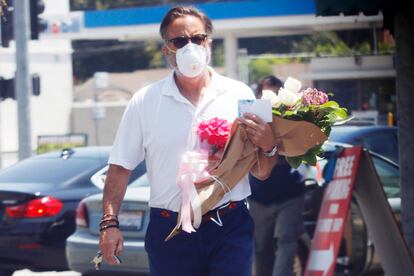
(289, 113)
(294, 162)
(315, 150)
(341, 113)
(330, 104)
(310, 159)
(276, 112)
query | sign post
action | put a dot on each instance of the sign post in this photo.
(333, 214)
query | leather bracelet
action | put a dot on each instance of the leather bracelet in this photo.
(102, 228)
(108, 220)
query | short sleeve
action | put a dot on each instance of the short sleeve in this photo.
(127, 150)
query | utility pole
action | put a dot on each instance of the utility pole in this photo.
(23, 84)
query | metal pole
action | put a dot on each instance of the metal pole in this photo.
(375, 39)
(23, 85)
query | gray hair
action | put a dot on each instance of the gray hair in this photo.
(181, 11)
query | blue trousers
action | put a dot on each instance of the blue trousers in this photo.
(212, 250)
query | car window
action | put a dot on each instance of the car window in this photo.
(382, 142)
(340, 134)
(98, 179)
(389, 175)
(39, 170)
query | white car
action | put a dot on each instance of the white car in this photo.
(133, 217)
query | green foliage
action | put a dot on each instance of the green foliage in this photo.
(363, 48)
(43, 148)
(386, 48)
(261, 67)
(329, 43)
(153, 50)
(114, 56)
(218, 55)
(258, 68)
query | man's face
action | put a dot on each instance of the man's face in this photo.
(187, 26)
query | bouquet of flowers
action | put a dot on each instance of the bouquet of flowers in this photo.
(213, 136)
(195, 167)
(302, 121)
(301, 107)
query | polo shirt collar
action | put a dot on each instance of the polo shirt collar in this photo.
(216, 87)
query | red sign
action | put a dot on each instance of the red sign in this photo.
(332, 215)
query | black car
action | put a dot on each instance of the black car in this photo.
(380, 139)
(38, 201)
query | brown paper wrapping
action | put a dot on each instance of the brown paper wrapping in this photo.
(295, 139)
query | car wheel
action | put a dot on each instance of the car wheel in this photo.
(4, 272)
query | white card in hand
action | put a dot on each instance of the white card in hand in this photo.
(259, 107)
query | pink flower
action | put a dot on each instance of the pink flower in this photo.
(313, 96)
(215, 131)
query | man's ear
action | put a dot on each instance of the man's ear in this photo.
(169, 54)
(165, 50)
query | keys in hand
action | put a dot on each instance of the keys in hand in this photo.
(97, 260)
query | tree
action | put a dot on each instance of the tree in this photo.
(90, 56)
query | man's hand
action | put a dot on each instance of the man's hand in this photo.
(259, 132)
(261, 135)
(111, 243)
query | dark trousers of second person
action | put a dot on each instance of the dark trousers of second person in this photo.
(281, 222)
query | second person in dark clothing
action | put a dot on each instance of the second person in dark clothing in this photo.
(276, 205)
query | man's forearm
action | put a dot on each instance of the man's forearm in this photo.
(116, 183)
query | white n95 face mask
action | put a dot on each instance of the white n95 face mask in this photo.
(191, 60)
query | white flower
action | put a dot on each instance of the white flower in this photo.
(289, 94)
(270, 95)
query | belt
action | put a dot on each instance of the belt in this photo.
(212, 215)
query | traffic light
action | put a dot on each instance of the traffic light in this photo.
(37, 24)
(7, 87)
(6, 23)
(36, 84)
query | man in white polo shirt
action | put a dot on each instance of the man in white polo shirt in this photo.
(156, 127)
